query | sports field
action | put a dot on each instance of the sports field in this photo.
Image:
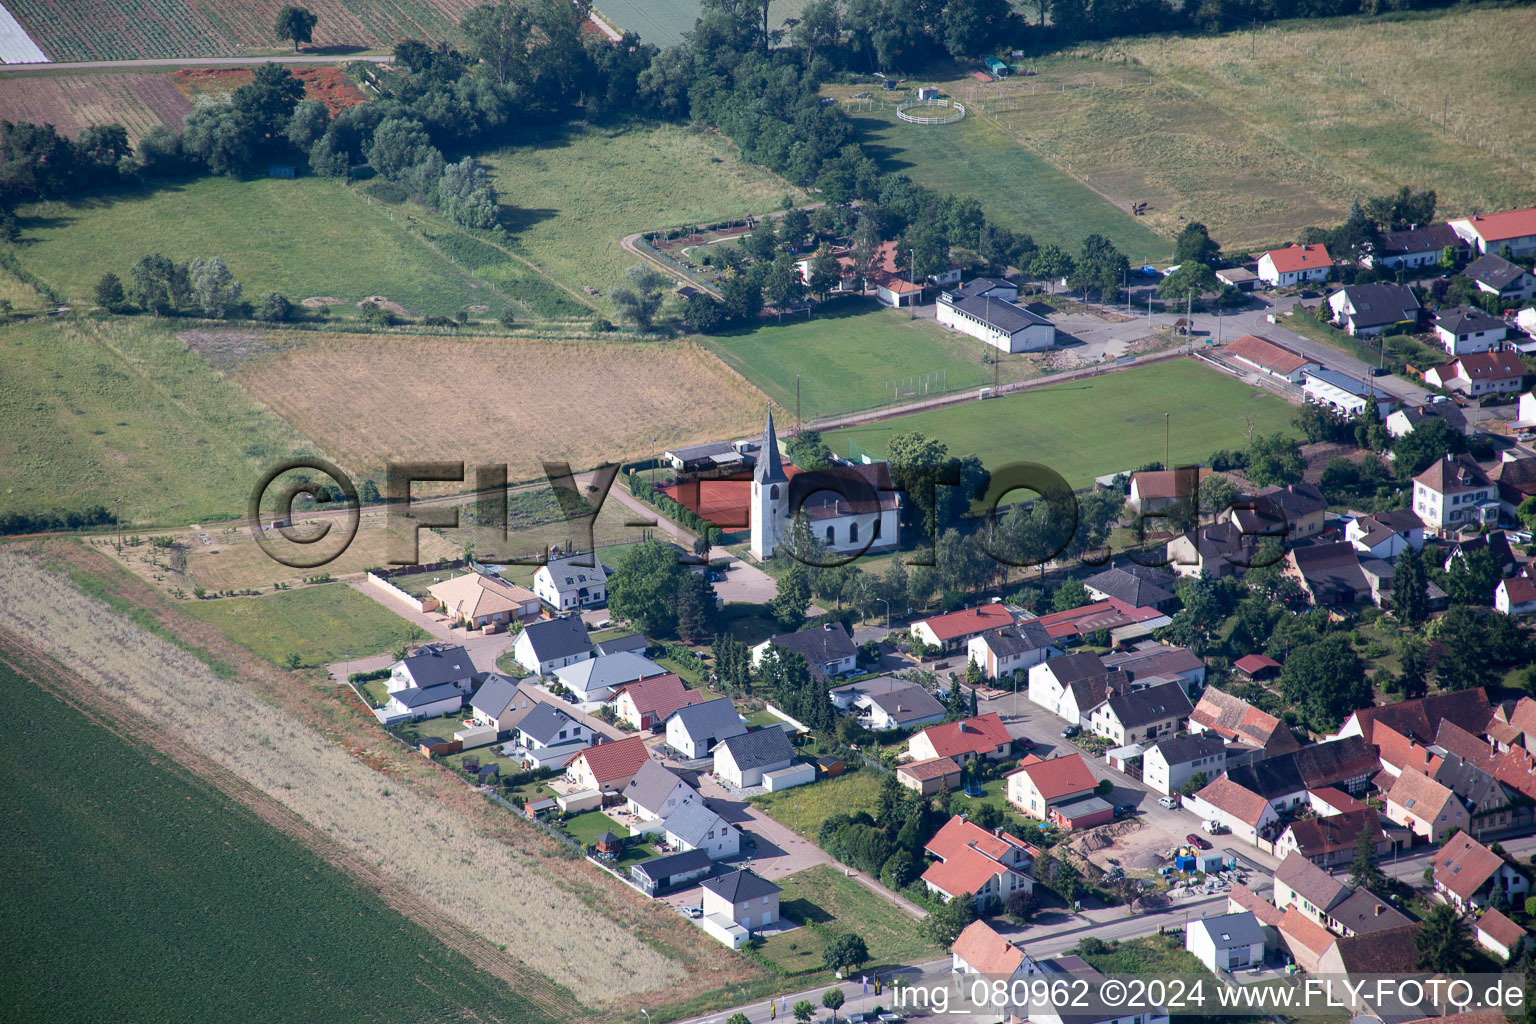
(1087, 428)
(147, 894)
(95, 411)
(859, 357)
(1015, 186)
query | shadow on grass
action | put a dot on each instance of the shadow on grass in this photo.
(804, 912)
(834, 309)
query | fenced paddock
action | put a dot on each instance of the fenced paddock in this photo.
(935, 111)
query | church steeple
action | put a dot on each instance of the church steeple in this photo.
(769, 469)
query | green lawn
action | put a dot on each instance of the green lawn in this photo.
(160, 898)
(96, 411)
(826, 904)
(804, 808)
(303, 237)
(848, 357)
(1016, 188)
(323, 623)
(1083, 429)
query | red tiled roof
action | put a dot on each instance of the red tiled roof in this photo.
(1401, 752)
(1523, 717)
(1060, 776)
(1235, 719)
(1164, 483)
(969, 621)
(1316, 837)
(614, 759)
(959, 834)
(1226, 795)
(1421, 717)
(1107, 614)
(1339, 800)
(964, 870)
(1519, 589)
(1500, 928)
(1265, 353)
(978, 735)
(1446, 476)
(1251, 663)
(1246, 899)
(931, 768)
(659, 695)
(1499, 227)
(1463, 865)
(1299, 928)
(1491, 366)
(986, 951)
(1299, 257)
(1419, 795)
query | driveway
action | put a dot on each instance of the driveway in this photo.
(747, 583)
(483, 650)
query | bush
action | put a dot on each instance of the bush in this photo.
(274, 307)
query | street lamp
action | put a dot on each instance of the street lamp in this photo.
(887, 611)
(647, 1014)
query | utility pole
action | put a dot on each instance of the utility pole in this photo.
(1218, 325)
(653, 460)
(1167, 441)
(911, 275)
(1189, 315)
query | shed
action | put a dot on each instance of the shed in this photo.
(1120, 755)
(830, 765)
(582, 800)
(487, 774)
(996, 67)
(608, 844)
(785, 778)
(543, 805)
(437, 746)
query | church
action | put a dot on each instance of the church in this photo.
(843, 526)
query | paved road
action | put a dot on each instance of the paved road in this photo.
(195, 62)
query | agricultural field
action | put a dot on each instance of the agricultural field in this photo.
(1086, 428)
(804, 808)
(321, 624)
(862, 355)
(128, 930)
(328, 85)
(1016, 186)
(368, 399)
(139, 101)
(826, 904)
(305, 237)
(556, 939)
(574, 192)
(121, 30)
(97, 411)
(663, 22)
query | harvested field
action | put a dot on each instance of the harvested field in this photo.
(138, 101)
(369, 399)
(232, 560)
(329, 85)
(507, 895)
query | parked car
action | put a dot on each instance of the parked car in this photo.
(1169, 802)
(1070, 731)
(1125, 810)
(1197, 842)
(694, 912)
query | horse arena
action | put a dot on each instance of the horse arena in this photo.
(931, 111)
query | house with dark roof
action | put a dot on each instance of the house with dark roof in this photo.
(1516, 479)
(1455, 492)
(983, 314)
(1463, 330)
(661, 875)
(742, 760)
(1495, 275)
(1226, 943)
(693, 826)
(1149, 662)
(1245, 813)
(1170, 763)
(1495, 542)
(1402, 422)
(654, 792)
(1467, 874)
(546, 737)
(542, 647)
(497, 702)
(1414, 247)
(596, 679)
(1221, 550)
(743, 898)
(1150, 713)
(1479, 374)
(1138, 586)
(572, 583)
(1008, 649)
(1331, 840)
(1329, 573)
(1385, 534)
(1420, 718)
(1365, 310)
(1329, 902)
(433, 665)
(828, 650)
(424, 701)
(1491, 805)
(886, 703)
(694, 731)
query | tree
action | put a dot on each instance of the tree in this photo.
(1414, 664)
(1071, 594)
(109, 291)
(1325, 681)
(295, 25)
(645, 586)
(1192, 276)
(1429, 442)
(466, 196)
(1022, 905)
(274, 308)
(832, 999)
(215, 288)
(1443, 943)
(1526, 512)
(793, 598)
(1194, 784)
(639, 302)
(1100, 267)
(497, 34)
(945, 924)
(696, 605)
(743, 297)
(1410, 589)
(738, 1018)
(808, 451)
(826, 273)
(846, 950)
(974, 27)
(1194, 244)
(1051, 263)
(266, 105)
(1363, 872)
(782, 284)
(399, 147)
(160, 286)
(703, 314)
(1273, 460)
(804, 1010)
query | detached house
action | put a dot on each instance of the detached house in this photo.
(1385, 534)
(886, 703)
(1135, 585)
(547, 737)
(1001, 652)
(1246, 814)
(952, 632)
(1146, 714)
(980, 950)
(969, 859)
(654, 793)
(742, 898)
(1365, 310)
(743, 760)
(1414, 247)
(1155, 489)
(1515, 596)
(1058, 789)
(1404, 421)
(1479, 374)
(1280, 268)
(1328, 573)
(965, 740)
(425, 701)
(1463, 330)
(433, 665)
(1226, 943)
(828, 650)
(499, 702)
(649, 702)
(572, 583)
(1491, 232)
(1241, 725)
(478, 601)
(1170, 763)
(1467, 874)
(608, 767)
(1455, 492)
(595, 679)
(545, 646)
(695, 730)
(1495, 275)
(1332, 840)
(692, 826)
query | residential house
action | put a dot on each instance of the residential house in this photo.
(1326, 802)
(1492, 231)
(693, 826)
(633, 642)
(1385, 534)
(828, 650)
(547, 737)
(1421, 717)
(1463, 330)
(1328, 573)
(886, 703)
(1479, 374)
(1495, 275)
(1496, 543)
(694, 731)
(1146, 714)
(1008, 649)
(1062, 974)
(1326, 901)
(1491, 805)
(499, 702)
(742, 897)
(1246, 814)
(1227, 943)
(1266, 356)
(1425, 807)
(1365, 310)
(1241, 725)
(425, 701)
(999, 322)
(661, 875)
(929, 776)
(478, 601)
(608, 766)
(1515, 596)
(1344, 394)
(980, 950)
(1455, 492)
(543, 647)
(1037, 788)
(1150, 662)
(1295, 511)
(1153, 490)
(965, 740)
(1467, 874)
(1220, 550)
(1499, 935)
(1347, 763)
(1169, 764)
(594, 680)
(1389, 951)
(572, 583)
(1136, 585)
(742, 760)
(1414, 247)
(1400, 753)
(1113, 616)
(1402, 421)
(1516, 479)
(433, 665)
(953, 631)
(654, 792)
(1295, 264)
(646, 703)
(1330, 841)
(1070, 686)
(969, 859)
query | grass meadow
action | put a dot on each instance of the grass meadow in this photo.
(143, 892)
(320, 624)
(827, 904)
(847, 354)
(96, 411)
(663, 22)
(1086, 428)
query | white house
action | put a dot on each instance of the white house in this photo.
(1455, 492)
(693, 826)
(981, 950)
(742, 760)
(1385, 534)
(1404, 421)
(828, 650)
(433, 665)
(1017, 648)
(1245, 813)
(654, 793)
(425, 701)
(1479, 374)
(694, 731)
(1227, 943)
(1495, 275)
(1515, 596)
(1170, 763)
(1491, 232)
(1462, 329)
(1365, 310)
(1001, 323)
(1294, 264)
(595, 679)
(1414, 247)
(551, 644)
(1050, 680)
(567, 584)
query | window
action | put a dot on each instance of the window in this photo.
(853, 533)
(773, 493)
(831, 536)
(875, 534)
